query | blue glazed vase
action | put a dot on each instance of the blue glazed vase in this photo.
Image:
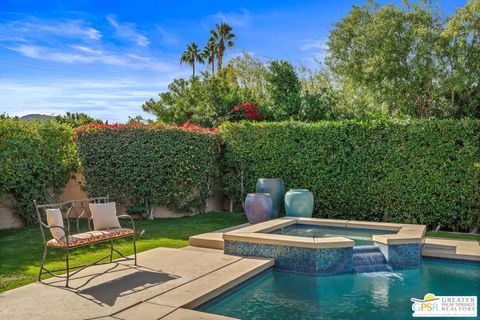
(258, 207)
(299, 203)
(276, 188)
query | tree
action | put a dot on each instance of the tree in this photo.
(138, 119)
(205, 101)
(76, 119)
(210, 52)
(223, 36)
(191, 55)
(282, 91)
(406, 61)
(461, 60)
(249, 73)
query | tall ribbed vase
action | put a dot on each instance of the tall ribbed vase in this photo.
(258, 207)
(276, 188)
(299, 203)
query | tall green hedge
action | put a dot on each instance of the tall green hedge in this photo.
(142, 166)
(413, 172)
(36, 160)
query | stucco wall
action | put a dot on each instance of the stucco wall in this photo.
(9, 218)
(73, 190)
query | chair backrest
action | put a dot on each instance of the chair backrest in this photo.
(65, 208)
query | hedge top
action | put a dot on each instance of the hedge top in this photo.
(183, 127)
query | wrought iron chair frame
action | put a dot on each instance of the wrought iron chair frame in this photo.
(69, 205)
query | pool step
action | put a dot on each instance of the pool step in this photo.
(369, 259)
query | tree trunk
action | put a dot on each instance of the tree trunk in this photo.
(213, 67)
(193, 67)
(219, 59)
(221, 51)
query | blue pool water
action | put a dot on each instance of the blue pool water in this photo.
(361, 237)
(377, 295)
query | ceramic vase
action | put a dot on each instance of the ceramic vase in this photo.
(276, 188)
(258, 207)
(299, 203)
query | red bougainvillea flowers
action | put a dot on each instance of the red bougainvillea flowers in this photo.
(249, 109)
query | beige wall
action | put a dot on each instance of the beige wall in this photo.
(9, 218)
(74, 190)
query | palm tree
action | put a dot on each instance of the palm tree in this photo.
(222, 34)
(209, 53)
(191, 55)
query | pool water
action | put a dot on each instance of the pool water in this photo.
(362, 237)
(377, 295)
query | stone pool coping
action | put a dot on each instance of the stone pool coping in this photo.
(451, 249)
(258, 233)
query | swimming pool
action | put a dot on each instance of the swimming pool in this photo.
(362, 237)
(378, 295)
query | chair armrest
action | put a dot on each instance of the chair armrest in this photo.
(124, 216)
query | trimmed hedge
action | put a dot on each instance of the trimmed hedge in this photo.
(423, 171)
(145, 165)
(36, 160)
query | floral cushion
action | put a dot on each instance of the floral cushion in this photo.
(90, 237)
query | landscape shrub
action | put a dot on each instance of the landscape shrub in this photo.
(146, 165)
(36, 160)
(421, 171)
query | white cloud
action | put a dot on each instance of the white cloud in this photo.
(312, 44)
(83, 54)
(235, 19)
(110, 99)
(128, 32)
(33, 28)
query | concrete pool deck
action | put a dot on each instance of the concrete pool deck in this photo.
(166, 284)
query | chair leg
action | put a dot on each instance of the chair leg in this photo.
(135, 249)
(45, 249)
(111, 250)
(68, 270)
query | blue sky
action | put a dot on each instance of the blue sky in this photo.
(105, 58)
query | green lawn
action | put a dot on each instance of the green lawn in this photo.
(21, 249)
(450, 235)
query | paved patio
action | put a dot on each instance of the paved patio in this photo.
(166, 284)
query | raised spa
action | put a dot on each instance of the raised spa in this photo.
(324, 247)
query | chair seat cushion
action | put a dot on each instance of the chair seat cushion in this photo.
(84, 238)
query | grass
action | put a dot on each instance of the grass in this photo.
(21, 249)
(452, 235)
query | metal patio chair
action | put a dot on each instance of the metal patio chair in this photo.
(80, 239)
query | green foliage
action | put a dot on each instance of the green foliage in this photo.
(206, 101)
(407, 61)
(422, 171)
(461, 60)
(75, 120)
(283, 90)
(249, 73)
(35, 162)
(149, 165)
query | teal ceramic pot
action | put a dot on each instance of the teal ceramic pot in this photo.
(276, 188)
(258, 207)
(299, 203)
